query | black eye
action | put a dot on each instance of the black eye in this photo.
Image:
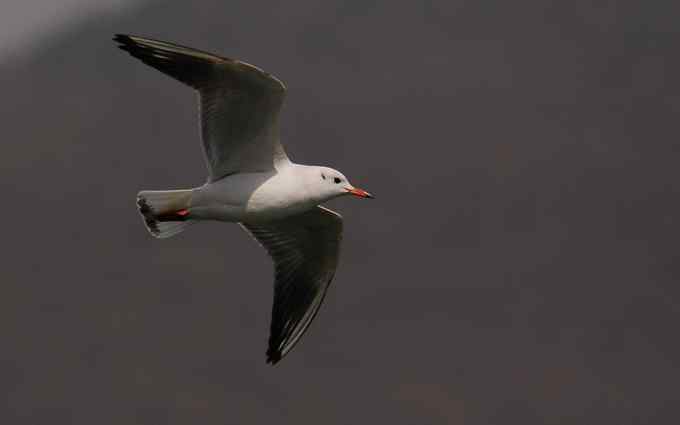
(323, 176)
(337, 180)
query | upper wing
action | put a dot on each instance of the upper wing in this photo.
(305, 251)
(239, 104)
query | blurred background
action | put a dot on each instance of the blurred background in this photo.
(519, 265)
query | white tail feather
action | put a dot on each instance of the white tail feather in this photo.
(160, 210)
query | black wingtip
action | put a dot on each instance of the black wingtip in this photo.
(122, 38)
(273, 357)
(125, 42)
(128, 43)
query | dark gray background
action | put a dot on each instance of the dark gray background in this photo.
(518, 266)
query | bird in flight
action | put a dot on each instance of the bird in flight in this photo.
(251, 181)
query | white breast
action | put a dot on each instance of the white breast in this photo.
(282, 195)
(253, 197)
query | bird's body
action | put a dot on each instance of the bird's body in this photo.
(251, 181)
(256, 197)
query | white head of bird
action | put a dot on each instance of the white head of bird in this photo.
(328, 183)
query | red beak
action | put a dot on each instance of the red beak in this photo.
(359, 192)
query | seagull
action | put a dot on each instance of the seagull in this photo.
(251, 181)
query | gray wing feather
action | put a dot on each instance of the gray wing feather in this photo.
(239, 104)
(305, 250)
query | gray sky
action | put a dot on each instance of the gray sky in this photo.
(519, 265)
(25, 22)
